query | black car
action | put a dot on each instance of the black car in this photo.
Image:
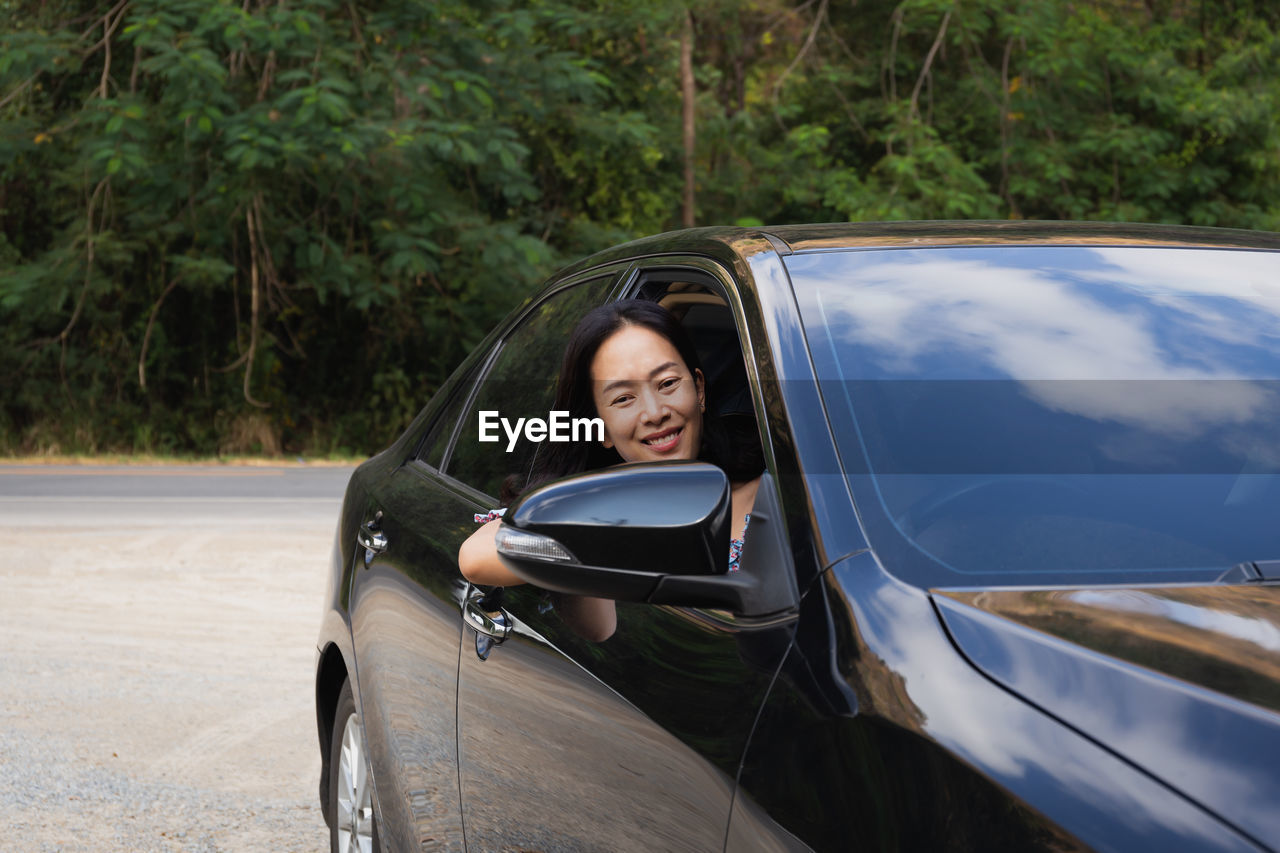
(1010, 581)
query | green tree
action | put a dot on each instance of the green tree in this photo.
(280, 223)
(213, 209)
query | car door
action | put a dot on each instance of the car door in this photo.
(632, 743)
(406, 597)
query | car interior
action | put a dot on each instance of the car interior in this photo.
(705, 314)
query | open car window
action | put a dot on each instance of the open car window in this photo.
(705, 314)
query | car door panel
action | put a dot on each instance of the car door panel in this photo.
(553, 757)
(565, 743)
(629, 744)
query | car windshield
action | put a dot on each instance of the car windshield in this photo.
(1044, 415)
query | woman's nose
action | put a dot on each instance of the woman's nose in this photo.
(653, 409)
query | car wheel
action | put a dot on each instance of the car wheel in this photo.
(354, 828)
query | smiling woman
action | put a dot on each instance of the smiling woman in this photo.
(632, 365)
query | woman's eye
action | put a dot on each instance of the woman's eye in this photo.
(669, 383)
(621, 400)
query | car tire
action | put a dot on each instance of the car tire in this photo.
(351, 802)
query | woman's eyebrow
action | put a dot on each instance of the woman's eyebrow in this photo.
(609, 386)
(660, 368)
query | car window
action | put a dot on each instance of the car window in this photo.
(520, 384)
(437, 439)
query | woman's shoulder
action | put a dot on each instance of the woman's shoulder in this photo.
(746, 487)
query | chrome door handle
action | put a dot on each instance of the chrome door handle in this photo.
(491, 623)
(371, 538)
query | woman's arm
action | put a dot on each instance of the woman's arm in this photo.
(478, 558)
(594, 619)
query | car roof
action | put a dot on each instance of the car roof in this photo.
(908, 234)
(728, 243)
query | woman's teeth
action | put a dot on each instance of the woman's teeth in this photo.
(661, 440)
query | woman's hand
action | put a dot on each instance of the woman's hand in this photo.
(479, 562)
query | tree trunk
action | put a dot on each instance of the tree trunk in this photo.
(687, 95)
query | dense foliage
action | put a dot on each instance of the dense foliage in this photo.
(277, 224)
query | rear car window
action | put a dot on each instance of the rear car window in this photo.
(520, 384)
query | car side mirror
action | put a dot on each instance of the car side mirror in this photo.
(654, 531)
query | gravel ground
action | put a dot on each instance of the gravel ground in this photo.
(158, 666)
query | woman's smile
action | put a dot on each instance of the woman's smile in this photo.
(663, 441)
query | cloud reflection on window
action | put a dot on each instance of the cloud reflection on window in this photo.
(1144, 336)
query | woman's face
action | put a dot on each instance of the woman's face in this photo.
(650, 403)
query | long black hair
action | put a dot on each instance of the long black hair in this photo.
(737, 452)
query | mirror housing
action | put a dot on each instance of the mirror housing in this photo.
(655, 532)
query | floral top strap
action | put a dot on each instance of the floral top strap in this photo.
(735, 546)
(491, 515)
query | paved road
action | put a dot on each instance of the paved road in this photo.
(159, 642)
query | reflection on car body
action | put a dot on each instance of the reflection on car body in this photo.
(1013, 585)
